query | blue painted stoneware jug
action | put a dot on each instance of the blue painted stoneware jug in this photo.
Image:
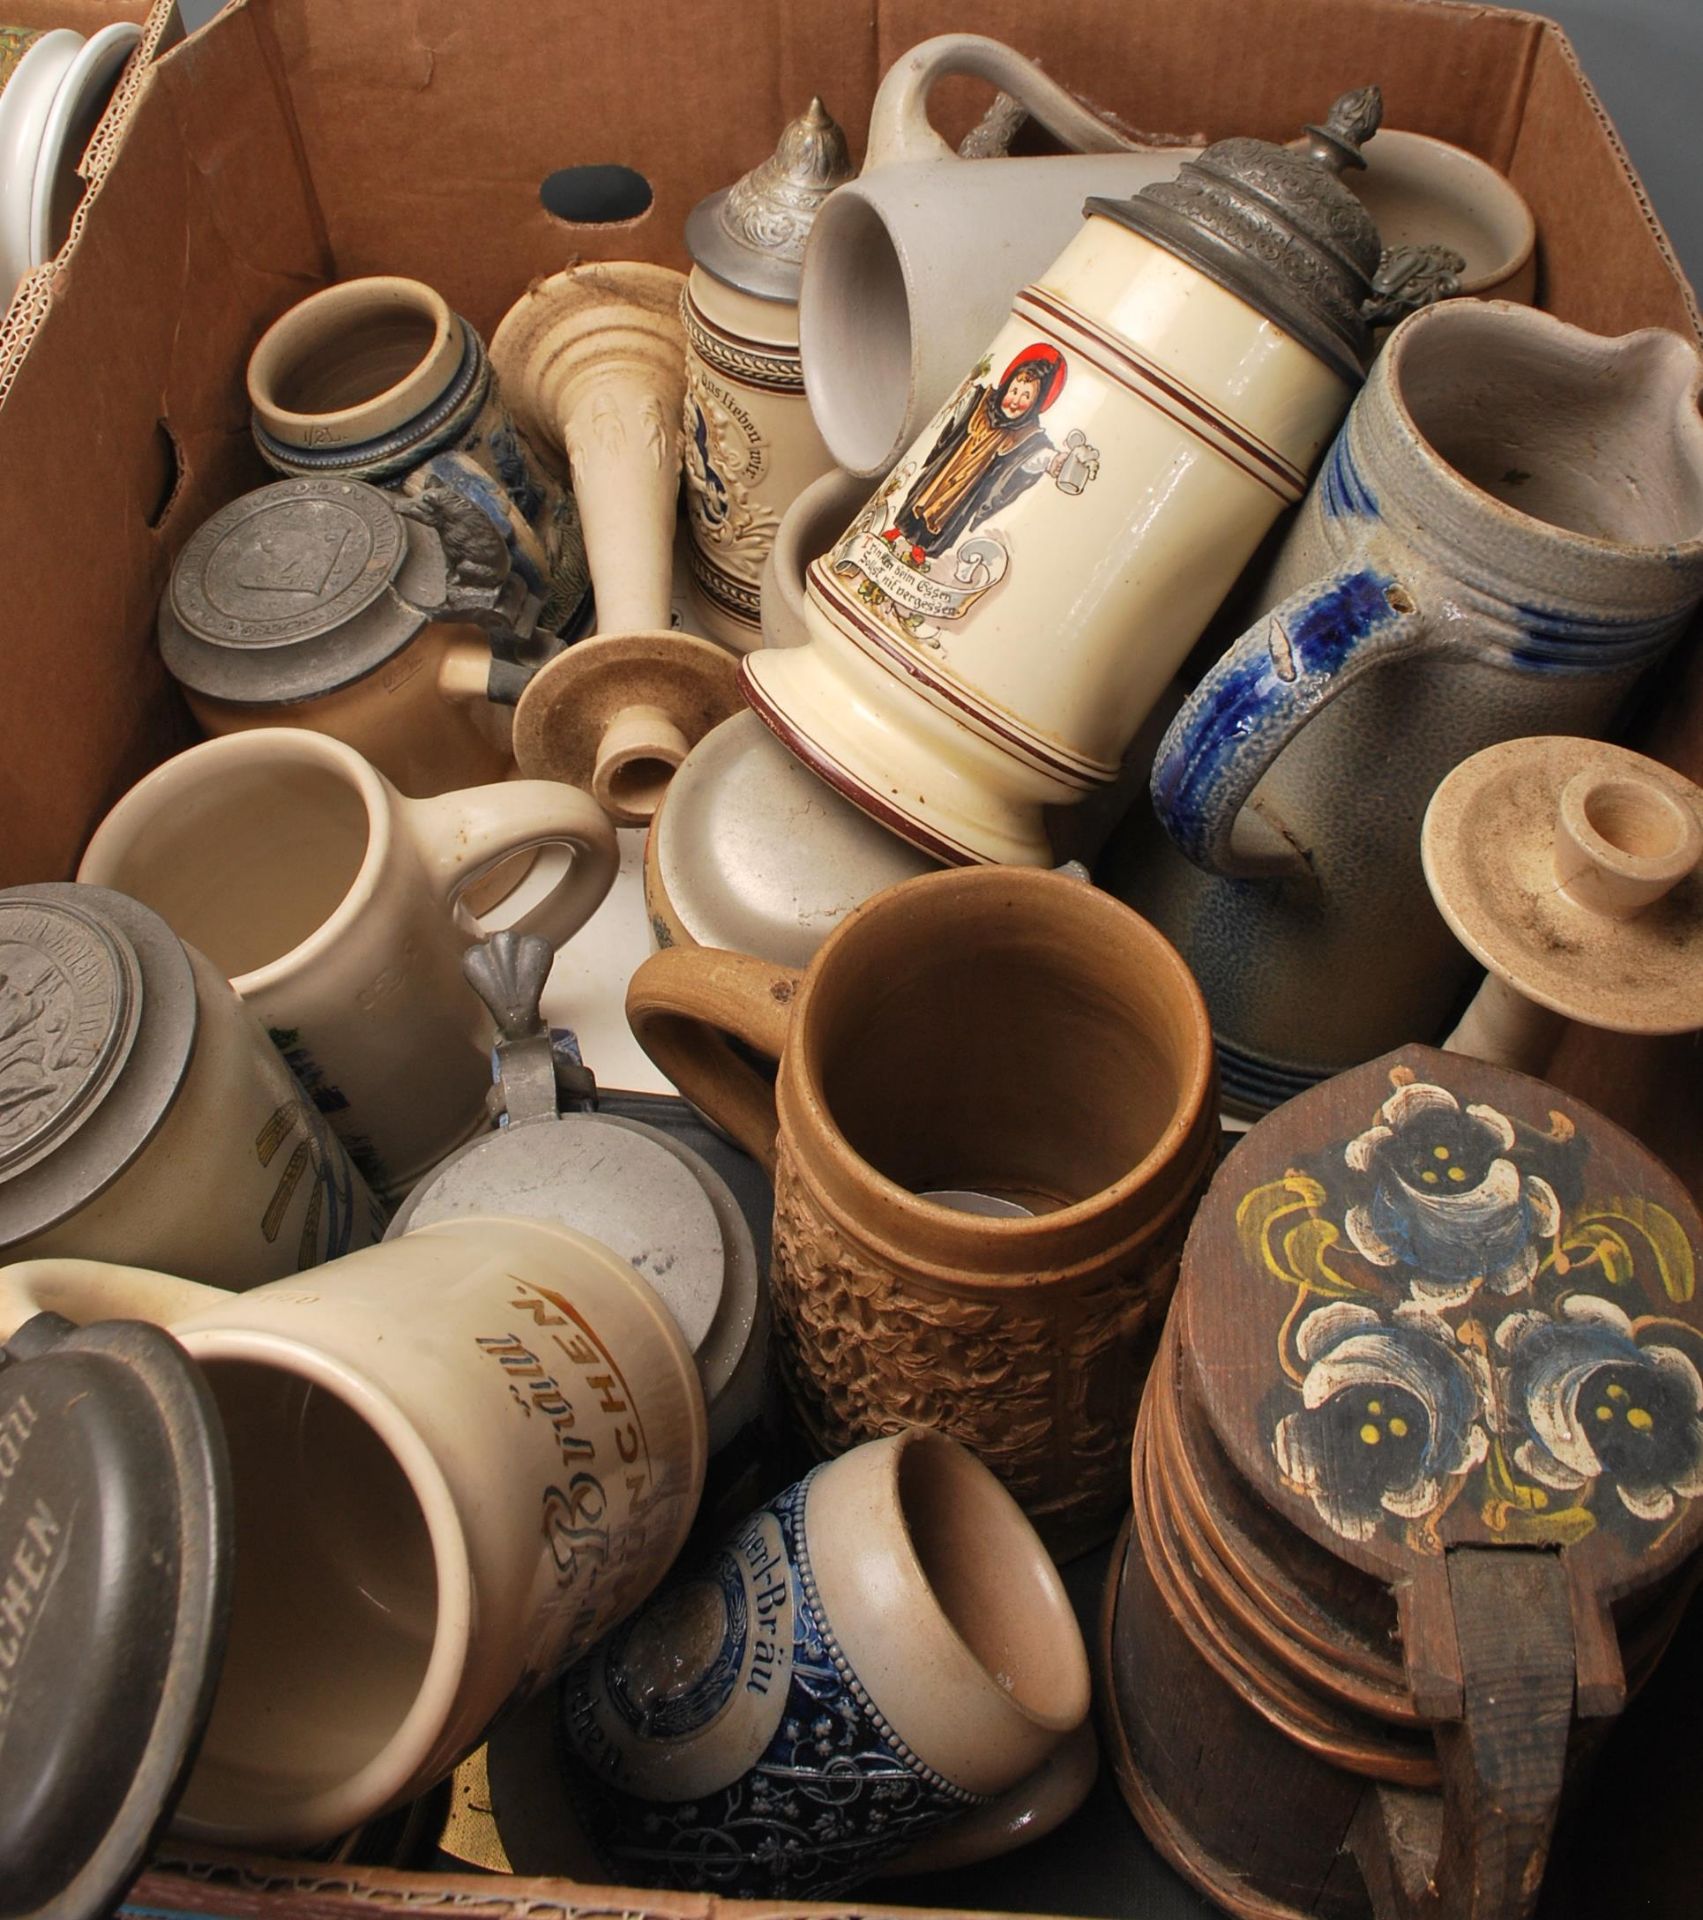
(1507, 533)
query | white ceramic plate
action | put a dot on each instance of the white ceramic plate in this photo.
(77, 107)
(24, 108)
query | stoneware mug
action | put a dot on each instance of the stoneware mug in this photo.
(1008, 1040)
(910, 268)
(1507, 532)
(881, 1658)
(457, 1459)
(331, 902)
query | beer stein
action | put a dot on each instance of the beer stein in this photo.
(144, 1113)
(989, 633)
(750, 444)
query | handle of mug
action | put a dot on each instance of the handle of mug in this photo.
(85, 1290)
(899, 127)
(1289, 665)
(1045, 1799)
(462, 835)
(1503, 1760)
(683, 1003)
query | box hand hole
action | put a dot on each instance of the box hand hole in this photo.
(595, 195)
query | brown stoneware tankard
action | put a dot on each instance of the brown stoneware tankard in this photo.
(1416, 1489)
(994, 1112)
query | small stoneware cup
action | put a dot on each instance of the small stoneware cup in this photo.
(1008, 1034)
(1421, 190)
(910, 268)
(881, 1658)
(144, 1114)
(377, 379)
(457, 1459)
(331, 902)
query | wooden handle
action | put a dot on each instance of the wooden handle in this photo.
(1502, 1761)
(684, 1002)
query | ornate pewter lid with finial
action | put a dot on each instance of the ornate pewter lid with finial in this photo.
(1276, 227)
(751, 235)
(310, 584)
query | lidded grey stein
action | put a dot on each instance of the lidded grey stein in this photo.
(396, 625)
(145, 1117)
(647, 1197)
(750, 444)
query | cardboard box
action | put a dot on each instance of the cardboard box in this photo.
(294, 142)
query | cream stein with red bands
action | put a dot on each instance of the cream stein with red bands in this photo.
(912, 266)
(144, 1114)
(1506, 535)
(878, 1666)
(331, 902)
(987, 636)
(456, 1460)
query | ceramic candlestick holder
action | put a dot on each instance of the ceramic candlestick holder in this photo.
(1573, 872)
(594, 360)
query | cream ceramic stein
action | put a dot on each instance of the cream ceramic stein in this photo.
(750, 444)
(331, 902)
(989, 633)
(878, 1671)
(143, 1112)
(912, 266)
(456, 1460)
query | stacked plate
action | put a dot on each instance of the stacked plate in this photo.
(54, 87)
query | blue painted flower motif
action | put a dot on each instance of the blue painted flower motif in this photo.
(1593, 1401)
(1389, 1414)
(1447, 1202)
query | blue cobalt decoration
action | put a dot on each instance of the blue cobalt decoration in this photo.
(808, 1789)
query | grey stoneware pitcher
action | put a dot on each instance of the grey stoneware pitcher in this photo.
(1506, 535)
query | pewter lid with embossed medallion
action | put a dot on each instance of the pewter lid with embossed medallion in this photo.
(310, 584)
(1276, 227)
(751, 235)
(97, 1030)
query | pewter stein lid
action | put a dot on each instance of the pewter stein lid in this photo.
(751, 235)
(650, 1199)
(97, 1028)
(1276, 227)
(308, 585)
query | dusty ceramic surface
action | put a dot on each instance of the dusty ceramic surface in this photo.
(1570, 870)
(147, 1114)
(376, 379)
(1507, 533)
(1005, 1031)
(870, 1661)
(32, 66)
(331, 902)
(82, 97)
(595, 361)
(1419, 190)
(750, 442)
(1065, 489)
(431, 1525)
(751, 852)
(619, 713)
(912, 266)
